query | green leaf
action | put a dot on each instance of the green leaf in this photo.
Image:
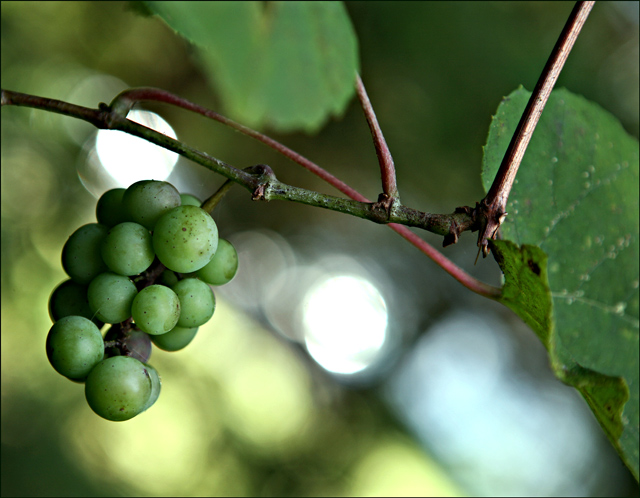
(287, 65)
(572, 268)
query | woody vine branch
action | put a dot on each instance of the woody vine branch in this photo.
(491, 211)
(260, 181)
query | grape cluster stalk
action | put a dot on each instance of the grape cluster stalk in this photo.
(144, 272)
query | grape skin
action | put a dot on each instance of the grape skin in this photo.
(109, 210)
(185, 239)
(222, 267)
(110, 297)
(70, 299)
(168, 278)
(74, 346)
(156, 309)
(118, 388)
(127, 249)
(146, 201)
(156, 386)
(197, 302)
(190, 200)
(81, 257)
(174, 340)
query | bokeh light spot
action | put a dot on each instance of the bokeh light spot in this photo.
(345, 323)
(117, 159)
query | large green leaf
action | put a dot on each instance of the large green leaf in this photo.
(287, 65)
(571, 256)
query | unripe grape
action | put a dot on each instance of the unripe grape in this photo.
(70, 299)
(168, 278)
(185, 239)
(127, 249)
(222, 267)
(74, 346)
(174, 340)
(156, 309)
(81, 257)
(146, 201)
(197, 302)
(156, 386)
(110, 297)
(190, 200)
(118, 388)
(109, 210)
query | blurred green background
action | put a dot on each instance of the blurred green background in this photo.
(459, 401)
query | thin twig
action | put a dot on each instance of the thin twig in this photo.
(447, 265)
(390, 194)
(123, 102)
(387, 168)
(493, 206)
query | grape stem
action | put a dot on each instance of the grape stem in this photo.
(150, 275)
(123, 330)
(262, 182)
(210, 204)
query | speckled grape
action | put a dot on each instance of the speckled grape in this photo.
(185, 239)
(74, 346)
(118, 388)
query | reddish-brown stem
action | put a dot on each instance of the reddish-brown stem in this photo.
(447, 265)
(387, 168)
(125, 100)
(493, 206)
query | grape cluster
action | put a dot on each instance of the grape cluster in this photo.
(144, 269)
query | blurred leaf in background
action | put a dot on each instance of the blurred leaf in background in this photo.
(289, 65)
(459, 398)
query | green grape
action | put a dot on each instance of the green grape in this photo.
(118, 388)
(190, 200)
(109, 210)
(146, 201)
(74, 346)
(156, 309)
(81, 257)
(70, 298)
(222, 267)
(197, 302)
(127, 249)
(135, 343)
(185, 239)
(110, 297)
(168, 278)
(156, 386)
(175, 339)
